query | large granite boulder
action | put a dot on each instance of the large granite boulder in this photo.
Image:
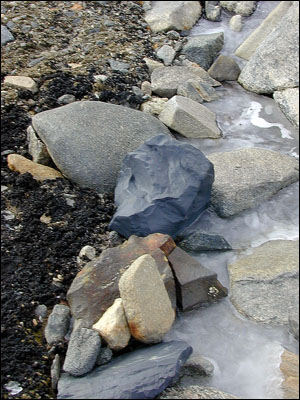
(265, 283)
(162, 187)
(87, 140)
(141, 374)
(288, 102)
(247, 177)
(178, 15)
(275, 63)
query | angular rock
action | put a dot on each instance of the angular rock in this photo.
(178, 15)
(265, 284)
(6, 36)
(166, 53)
(113, 327)
(197, 91)
(204, 49)
(190, 118)
(87, 140)
(141, 374)
(275, 63)
(236, 23)
(39, 172)
(213, 11)
(195, 392)
(249, 46)
(165, 81)
(119, 66)
(36, 148)
(21, 82)
(247, 177)
(290, 369)
(95, 287)
(196, 365)
(201, 241)
(152, 64)
(244, 8)
(288, 101)
(163, 186)
(294, 323)
(154, 106)
(82, 353)
(57, 324)
(224, 69)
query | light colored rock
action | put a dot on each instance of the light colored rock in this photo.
(247, 177)
(21, 82)
(166, 53)
(154, 106)
(224, 69)
(57, 324)
(194, 392)
(244, 8)
(236, 23)
(178, 15)
(146, 302)
(189, 118)
(197, 90)
(36, 148)
(146, 88)
(288, 101)
(290, 369)
(66, 99)
(39, 172)
(152, 64)
(265, 283)
(275, 63)
(88, 251)
(249, 46)
(212, 11)
(113, 327)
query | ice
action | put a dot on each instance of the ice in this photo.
(13, 387)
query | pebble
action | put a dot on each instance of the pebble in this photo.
(41, 311)
(66, 99)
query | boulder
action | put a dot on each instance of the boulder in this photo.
(190, 118)
(113, 327)
(201, 241)
(178, 15)
(95, 287)
(224, 69)
(6, 36)
(247, 177)
(195, 392)
(236, 23)
(87, 140)
(163, 186)
(166, 53)
(213, 10)
(203, 49)
(288, 102)
(196, 284)
(289, 368)
(146, 302)
(275, 63)
(197, 90)
(21, 82)
(265, 284)
(244, 8)
(140, 374)
(58, 324)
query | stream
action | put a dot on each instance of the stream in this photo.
(245, 354)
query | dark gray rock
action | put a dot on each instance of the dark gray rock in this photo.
(201, 241)
(104, 356)
(204, 49)
(224, 69)
(162, 187)
(141, 374)
(6, 36)
(57, 324)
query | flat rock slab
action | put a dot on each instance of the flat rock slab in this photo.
(88, 140)
(162, 187)
(288, 101)
(265, 284)
(247, 177)
(141, 374)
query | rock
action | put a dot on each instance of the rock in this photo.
(110, 132)
(119, 66)
(113, 327)
(249, 46)
(201, 241)
(141, 374)
(104, 356)
(265, 284)
(57, 324)
(154, 106)
(166, 53)
(197, 90)
(196, 365)
(55, 372)
(275, 63)
(244, 8)
(152, 64)
(39, 172)
(165, 81)
(288, 101)
(190, 118)
(36, 148)
(247, 177)
(203, 49)
(95, 287)
(163, 186)
(294, 323)
(21, 82)
(236, 23)
(173, 35)
(224, 69)
(179, 15)
(195, 283)
(41, 311)
(290, 369)
(213, 11)
(88, 252)
(66, 99)
(6, 36)
(82, 353)
(146, 302)
(195, 392)
(146, 88)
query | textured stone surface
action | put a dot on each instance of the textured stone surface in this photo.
(154, 106)
(247, 177)
(178, 15)
(235, 23)
(6, 36)
(244, 8)
(87, 140)
(21, 82)
(197, 365)
(275, 63)
(166, 53)
(294, 323)
(195, 392)
(203, 49)
(57, 324)
(163, 186)
(118, 66)
(201, 241)
(224, 69)
(36, 148)
(82, 353)
(95, 287)
(213, 11)
(288, 101)
(196, 284)
(141, 374)
(113, 327)
(146, 302)
(290, 369)
(55, 372)
(265, 284)
(104, 356)
(197, 90)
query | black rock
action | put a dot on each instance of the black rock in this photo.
(200, 241)
(141, 374)
(163, 186)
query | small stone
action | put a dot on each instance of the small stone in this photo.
(201, 241)
(119, 66)
(212, 11)
(146, 88)
(104, 356)
(57, 324)
(88, 252)
(36, 148)
(154, 106)
(235, 23)
(6, 36)
(66, 99)
(21, 82)
(55, 372)
(137, 91)
(224, 69)
(173, 35)
(166, 53)
(196, 365)
(152, 64)
(197, 90)
(41, 311)
(244, 8)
